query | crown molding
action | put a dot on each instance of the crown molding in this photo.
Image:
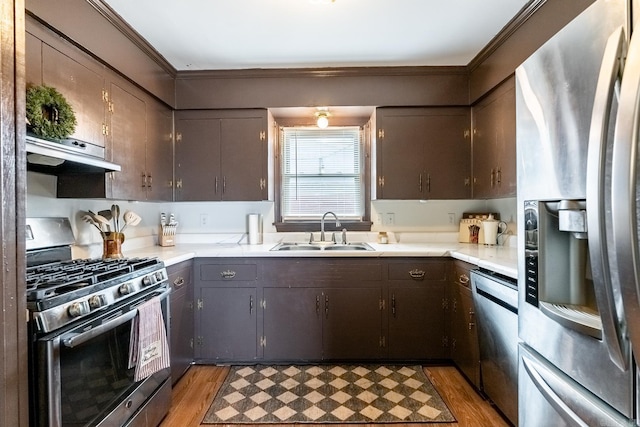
(507, 31)
(123, 27)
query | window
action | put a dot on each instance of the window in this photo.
(322, 170)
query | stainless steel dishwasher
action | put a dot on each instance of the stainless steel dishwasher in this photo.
(496, 303)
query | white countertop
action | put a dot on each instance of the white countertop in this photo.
(501, 259)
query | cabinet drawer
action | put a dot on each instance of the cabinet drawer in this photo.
(321, 271)
(179, 275)
(229, 272)
(461, 273)
(418, 270)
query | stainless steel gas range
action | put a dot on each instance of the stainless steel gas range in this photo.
(80, 320)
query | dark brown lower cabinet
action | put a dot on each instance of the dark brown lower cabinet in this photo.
(351, 324)
(465, 351)
(227, 324)
(293, 324)
(181, 318)
(320, 309)
(416, 322)
(416, 314)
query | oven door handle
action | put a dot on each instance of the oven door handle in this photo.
(73, 339)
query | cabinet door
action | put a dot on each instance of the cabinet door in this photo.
(197, 159)
(83, 89)
(127, 143)
(494, 143)
(159, 152)
(447, 153)
(181, 319)
(243, 160)
(293, 324)
(467, 354)
(227, 324)
(352, 323)
(416, 322)
(401, 137)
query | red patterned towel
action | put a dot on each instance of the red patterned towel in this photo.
(148, 348)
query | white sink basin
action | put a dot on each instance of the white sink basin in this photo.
(322, 246)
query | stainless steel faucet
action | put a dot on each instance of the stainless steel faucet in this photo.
(322, 224)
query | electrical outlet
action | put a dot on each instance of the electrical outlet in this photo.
(452, 218)
(204, 219)
(390, 218)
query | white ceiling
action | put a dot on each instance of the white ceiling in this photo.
(245, 34)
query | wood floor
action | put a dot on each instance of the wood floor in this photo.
(193, 394)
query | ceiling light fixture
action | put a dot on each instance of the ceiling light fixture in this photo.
(322, 118)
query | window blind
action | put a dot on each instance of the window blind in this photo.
(321, 171)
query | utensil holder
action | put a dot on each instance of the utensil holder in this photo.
(112, 245)
(166, 235)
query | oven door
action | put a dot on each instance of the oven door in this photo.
(83, 375)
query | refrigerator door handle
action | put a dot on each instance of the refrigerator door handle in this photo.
(624, 190)
(575, 405)
(603, 279)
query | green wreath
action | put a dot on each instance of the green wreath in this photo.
(48, 113)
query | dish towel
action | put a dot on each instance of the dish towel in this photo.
(148, 347)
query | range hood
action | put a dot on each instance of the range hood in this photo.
(66, 156)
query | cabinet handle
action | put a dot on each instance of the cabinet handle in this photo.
(492, 180)
(393, 305)
(463, 279)
(228, 274)
(454, 306)
(149, 181)
(428, 183)
(471, 325)
(420, 183)
(317, 305)
(224, 184)
(216, 185)
(498, 177)
(179, 282)
(144, 180)
(417, 274)
(250, 304)
(326, 306)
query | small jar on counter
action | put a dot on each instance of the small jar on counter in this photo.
(383, 238)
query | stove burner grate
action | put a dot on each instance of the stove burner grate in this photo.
(49, 282)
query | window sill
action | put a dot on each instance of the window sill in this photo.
(309, 226)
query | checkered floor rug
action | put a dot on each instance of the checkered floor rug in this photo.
(327, 394)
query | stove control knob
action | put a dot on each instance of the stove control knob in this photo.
(96, 301)
(125, 289)
(159, 276)
(78, 309)
(146, 281)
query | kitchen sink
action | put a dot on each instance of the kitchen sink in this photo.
(324, 246)
(295, 247)
(349, 247)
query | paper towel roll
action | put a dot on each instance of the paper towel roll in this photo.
(255, 229)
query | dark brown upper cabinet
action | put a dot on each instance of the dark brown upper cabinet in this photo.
(221, 155)
(135, 129)
(78, 77)
(494, 143)
(423, 153)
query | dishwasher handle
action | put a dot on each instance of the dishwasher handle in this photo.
(496, 290)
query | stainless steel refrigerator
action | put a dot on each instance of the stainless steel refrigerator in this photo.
(577, 101)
